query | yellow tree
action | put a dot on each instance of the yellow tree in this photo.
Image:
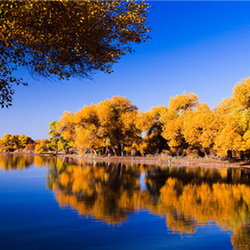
(88, 133)
(15, 141)
(6, 140)
(241, 94)
(118, 122)
(173, 120)
(151, 125)
(5, 143)
(201, 127)
(225, 138)
(56, 139)
(230, 138)
(111, 122)
(66, 127)
(42, 146)
(235, 115)
(24, 141)
(181, 103)
(62, 39)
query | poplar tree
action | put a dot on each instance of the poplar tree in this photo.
(62, 39)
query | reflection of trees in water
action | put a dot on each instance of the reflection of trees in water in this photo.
(157, 177)
(193, 196)
(227, 205)
(240, 238)
(44, 161)
(187, 197)
(13, 162)
(110, 193)
(20, 162)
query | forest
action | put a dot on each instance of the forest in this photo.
(186, 127)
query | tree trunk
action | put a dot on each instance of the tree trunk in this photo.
(119, 150)
(205, 152)
(229, 154)
(122, 149)
(114, 151)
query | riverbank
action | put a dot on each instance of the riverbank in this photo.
(161, 160)
(165, 161)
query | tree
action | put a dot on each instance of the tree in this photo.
(62, 39)
(201, 128)
(88, 132)
(54, 136)
(15, 141)
(24, 141)
(43, 146)
(241, 94)
(66, 126)
(234, 131)
(173, 120)
(110, 122)
(181, 103)
(118, 121)
(151, 125)
(6, 140)
(56, 139)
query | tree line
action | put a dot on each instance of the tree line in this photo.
(10, 143)
(185, 127)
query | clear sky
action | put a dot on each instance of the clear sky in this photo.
(199, 47)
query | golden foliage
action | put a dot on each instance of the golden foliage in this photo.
(62, 39)
(181, 103)
(201, 126)
(235, 121)
(185, 127)
(109, 123)
(241, 93)
(42, 147)
(15, 141)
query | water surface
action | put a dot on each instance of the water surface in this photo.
(51, 203)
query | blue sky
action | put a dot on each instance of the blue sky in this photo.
(199, 47)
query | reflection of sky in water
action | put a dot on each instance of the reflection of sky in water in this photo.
(30, 218)
(142, 181)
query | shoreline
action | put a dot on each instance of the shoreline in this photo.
(171, 161)
(150, 160)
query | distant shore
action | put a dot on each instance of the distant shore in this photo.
(152, 160)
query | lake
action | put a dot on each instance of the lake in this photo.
(54, 203)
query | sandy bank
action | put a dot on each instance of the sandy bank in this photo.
(165, 161)
(153, 160)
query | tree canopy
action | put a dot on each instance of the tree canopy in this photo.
(62, 39)
(186, 127)
(109, 123)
